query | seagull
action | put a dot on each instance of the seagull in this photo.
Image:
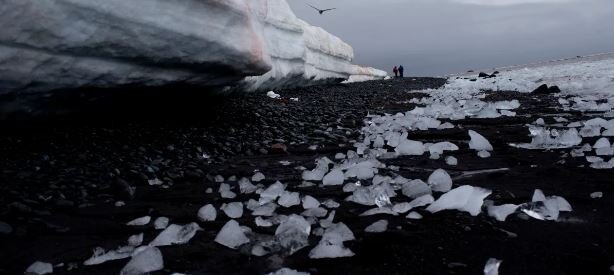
(321, 11)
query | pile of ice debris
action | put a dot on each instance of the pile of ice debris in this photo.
(569, 135)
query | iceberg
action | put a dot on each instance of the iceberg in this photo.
(247, 44)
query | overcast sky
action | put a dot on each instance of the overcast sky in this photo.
(435, 37)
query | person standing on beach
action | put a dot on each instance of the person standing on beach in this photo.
(395, 71)
(401, 70)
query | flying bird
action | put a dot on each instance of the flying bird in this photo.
(321, 11)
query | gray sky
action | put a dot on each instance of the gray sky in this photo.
(436, 37)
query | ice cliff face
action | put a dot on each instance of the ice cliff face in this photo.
(250, 44)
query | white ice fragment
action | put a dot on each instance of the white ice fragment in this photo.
(317, 174)
(415, 188)
(40, 268)
(539, 121)
(339, 156)
(233, 210)
(146, 261)
(266, 210)
(596, 195)
(318, 212)
(492, 267)
(120, 203)
(478, 142)
(602, 143)
(440, 181)
(410, 148)
(377, 227)
(500, 212)
(439, 148)
(288, 271)
(326, 249)
(335, 177)
(289, 199)
(423, 200)
(293, 233)
(271, 193)
(225, 191)
(414, 215)
(452, 161)
(219, 179)
(262, 222)
(546, 208)
(310, 202)
(464, 198)
(161, 223)
(207, 213)
(231, 235)
(379, 210)
(176, 234)
(246, 186)
(273, 95)
(139, 221)
(258, 177)
(402, 207)
(100, 256)
(329, 203)
(135, 240)
(483, 154)
(155, 182)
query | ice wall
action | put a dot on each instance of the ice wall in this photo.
(252, 44)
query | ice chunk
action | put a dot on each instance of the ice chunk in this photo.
(596, 195)
(207, 213)
(492, 267)
(478, 142)
(546, 208)
(377, 227)
(378, 211)
(500, 212)
(339, 156)
(100, 256)
(161, 223)
(383, 200)
(335, 177)
(439, 148)
(139, 221)
(146, 261)
(329, 203)
(415, 188)
(452, 161)
(326, 249)
(135, 240)
(410, 148)
(233, 210)
(484, 154)
(289, 199)
(440, 181)
(273, 95)
(231, 235)
(258, 177)
(464, 198)
(176, 234)
(262, 222)
(293, 233)
(265, 210)
(310, 202)
(155, 182)
(225, 191)
(40, 268)
(414, 215)
(422, 201)
(318, 212)
(317, 174)
(287, 271)
(602, 143)
(402, 207)
(271, 193)
(246, 186)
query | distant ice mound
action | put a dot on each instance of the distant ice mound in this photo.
(251, 44)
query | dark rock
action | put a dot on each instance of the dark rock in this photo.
(541, 90)
(483, 75)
